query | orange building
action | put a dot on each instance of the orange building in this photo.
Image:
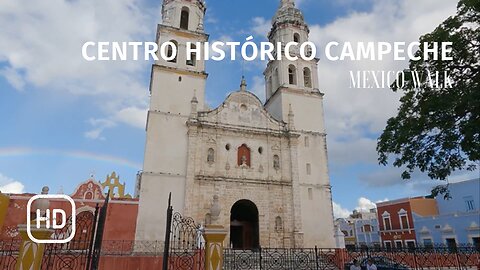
(397, 229)
(121, 217)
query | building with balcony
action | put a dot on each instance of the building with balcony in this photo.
(396, 223)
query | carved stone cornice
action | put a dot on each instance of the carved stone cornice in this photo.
(241, 180)
(243, 129)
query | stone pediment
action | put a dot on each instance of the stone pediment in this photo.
(242, 109)
(425, 230)
(89, 190)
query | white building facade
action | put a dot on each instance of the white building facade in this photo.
(265, 165)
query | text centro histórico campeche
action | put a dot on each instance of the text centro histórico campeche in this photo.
(250, 51)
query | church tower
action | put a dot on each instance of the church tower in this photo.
(174, 84)
(292, 93)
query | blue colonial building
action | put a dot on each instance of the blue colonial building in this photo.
(360, 229)
(458, 220)
(366, 228)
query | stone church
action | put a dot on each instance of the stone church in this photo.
(263, 165)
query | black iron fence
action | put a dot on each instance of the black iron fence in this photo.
(9, 253)
(438, 257)
(281, 259)
(421, 257)
(430, 257)
(81, 253)
(183, 245)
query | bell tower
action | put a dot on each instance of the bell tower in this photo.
(293, 95)
(173, 85)
(291, 78)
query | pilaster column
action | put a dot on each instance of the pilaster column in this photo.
(214, 236)
(189, 208)
(4, 201)
(297, 215)
(31, 254)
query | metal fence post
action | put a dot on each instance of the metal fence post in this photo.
(260, 254)
(458, 261)
(92, 240)
(167, 233)
(316, 257)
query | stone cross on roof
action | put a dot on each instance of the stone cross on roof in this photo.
(243, 84)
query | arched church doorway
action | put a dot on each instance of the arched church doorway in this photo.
(244, 232)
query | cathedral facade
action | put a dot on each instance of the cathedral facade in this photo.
(259, 169)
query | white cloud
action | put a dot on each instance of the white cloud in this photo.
(133, 116)
(355, 117)
(13, 78)
(40, 43)
(94, 134)
(9, 185)
(339, 211)
(99, 126)
(363, 205)
(258, 87)
(261, 26)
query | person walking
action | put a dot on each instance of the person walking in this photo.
(355, 265)
(371, 265)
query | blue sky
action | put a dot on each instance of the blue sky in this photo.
(63, 119)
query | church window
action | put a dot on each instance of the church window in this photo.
(307, 141)
(278, 224)
(184, 17)
(260, 150)
(309, 169)
(211, 155)
(307, 77)
(243, 156)
(310, 193)
(227, 147)
(296, 38)
(193, 57)
(170, 51)
(292, 74)
(276, 162)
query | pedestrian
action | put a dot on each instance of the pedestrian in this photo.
(371, 265)
(355, 265)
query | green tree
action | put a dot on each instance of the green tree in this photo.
(437, 129)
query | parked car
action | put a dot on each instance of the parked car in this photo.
(382, 263)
